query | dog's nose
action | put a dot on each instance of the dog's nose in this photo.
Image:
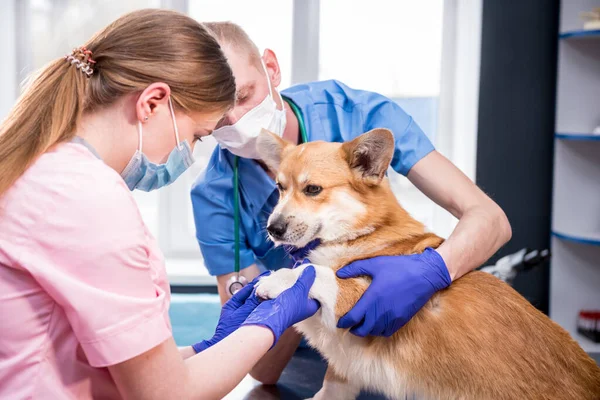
(277, 228)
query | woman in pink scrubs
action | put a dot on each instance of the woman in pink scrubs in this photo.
(84, 296)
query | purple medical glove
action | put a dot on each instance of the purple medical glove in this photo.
(299, 254)
(290, 307)
(400, 286)
(233, 313)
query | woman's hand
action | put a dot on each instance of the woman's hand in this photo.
(233, 313)
(290, 307)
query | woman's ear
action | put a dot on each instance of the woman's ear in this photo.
(155, 94)
(272, 65)
(271, 149)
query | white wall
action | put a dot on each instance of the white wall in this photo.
(459, 94)
(8, 68)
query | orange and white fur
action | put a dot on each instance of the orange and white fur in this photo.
(478, 339)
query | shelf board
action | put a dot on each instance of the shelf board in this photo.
(577, 239)
(580, 34)
(586, 344)
(578, 136)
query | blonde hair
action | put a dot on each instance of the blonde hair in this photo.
(230, 34)
(134, 51)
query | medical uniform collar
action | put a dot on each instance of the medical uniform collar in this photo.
(303, 137)
(82, 141)
(305, 102)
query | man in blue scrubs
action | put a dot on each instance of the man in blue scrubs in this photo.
(329, 111)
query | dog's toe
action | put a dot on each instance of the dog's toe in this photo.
(262, 292)
(271, 286)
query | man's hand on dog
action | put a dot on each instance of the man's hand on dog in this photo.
(400, 286)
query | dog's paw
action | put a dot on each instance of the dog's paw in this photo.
(273, 285)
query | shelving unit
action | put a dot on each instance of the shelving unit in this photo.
(575, 265)
(577, 136)
(581, 34)
(577, 239)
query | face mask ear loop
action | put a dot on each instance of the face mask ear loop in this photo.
(174, 123)
(269, 84)
(281, 99)
(140, 135)
(268, 78)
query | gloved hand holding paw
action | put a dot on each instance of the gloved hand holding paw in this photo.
(290, 307)
(233, 313)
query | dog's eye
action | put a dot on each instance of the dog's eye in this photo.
(280, 187)
(312, 190)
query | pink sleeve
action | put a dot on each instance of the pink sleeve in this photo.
(93, 257)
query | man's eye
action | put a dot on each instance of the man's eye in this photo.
(312, 190)
(222, 122)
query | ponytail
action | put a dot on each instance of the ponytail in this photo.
(46, 113)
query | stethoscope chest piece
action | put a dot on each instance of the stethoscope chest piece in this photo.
(235, 283)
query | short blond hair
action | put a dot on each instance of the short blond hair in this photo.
(230, 34)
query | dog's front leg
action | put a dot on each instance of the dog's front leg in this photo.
(324, 289)
(336, 388)
(271, 286)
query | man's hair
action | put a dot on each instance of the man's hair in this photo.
(230, 34)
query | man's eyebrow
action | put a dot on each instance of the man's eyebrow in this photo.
(245, 90)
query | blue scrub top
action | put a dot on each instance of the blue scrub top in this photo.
(332, 112)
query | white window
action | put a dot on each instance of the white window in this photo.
(267, 22)
(393, 48)
(8, 66)
(56, 26)
(389, 47)
(422, 54)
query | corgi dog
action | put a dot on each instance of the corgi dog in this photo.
(477, 339)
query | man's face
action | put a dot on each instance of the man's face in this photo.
(251, 85)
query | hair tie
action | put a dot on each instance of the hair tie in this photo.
(81, 58)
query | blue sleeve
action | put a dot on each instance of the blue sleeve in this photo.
(410, 141)
(212, 204)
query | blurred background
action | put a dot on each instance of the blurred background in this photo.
(396, 48)
(508, 91)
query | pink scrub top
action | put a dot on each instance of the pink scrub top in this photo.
(82, 282)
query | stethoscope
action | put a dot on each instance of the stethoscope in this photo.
(237, 281)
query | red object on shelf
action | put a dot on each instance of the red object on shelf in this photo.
(588, 324)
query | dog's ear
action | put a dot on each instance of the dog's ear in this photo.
(270, 148)
(370, 154)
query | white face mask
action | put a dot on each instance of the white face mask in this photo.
(240, 138)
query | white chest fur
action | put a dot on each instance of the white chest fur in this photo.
(348, 354)
(345, 351)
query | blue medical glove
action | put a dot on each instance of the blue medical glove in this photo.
(400, 286)
(290, 307)
(233, 313)
(299, 254)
